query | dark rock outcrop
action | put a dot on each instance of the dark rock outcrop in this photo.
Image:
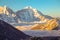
(8, 32)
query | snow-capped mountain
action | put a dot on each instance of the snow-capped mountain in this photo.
(27, 14)
(30, 14)
(7, 15)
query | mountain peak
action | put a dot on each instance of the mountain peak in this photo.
(2, 9)
(28, 7)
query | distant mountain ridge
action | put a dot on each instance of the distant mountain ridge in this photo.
(30, 14)
(7, 15)
(27, 14)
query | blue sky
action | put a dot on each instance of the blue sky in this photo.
(48, 7)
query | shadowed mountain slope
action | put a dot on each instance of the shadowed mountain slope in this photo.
(8, 32)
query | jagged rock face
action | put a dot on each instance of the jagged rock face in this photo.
(12, 16)
(30, 14)
(8, 32)
(7, 15)
(27, 15)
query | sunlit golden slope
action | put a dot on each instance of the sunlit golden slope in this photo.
(1, 9)
(50, 25)
(37, 27)
(21, 28)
